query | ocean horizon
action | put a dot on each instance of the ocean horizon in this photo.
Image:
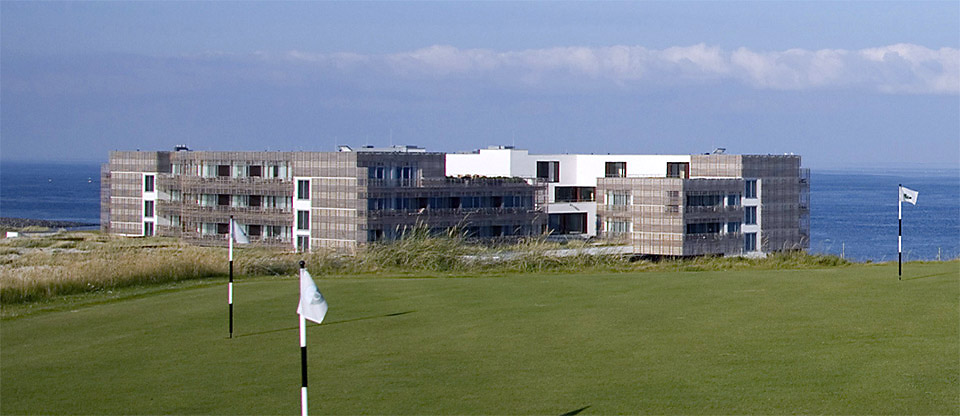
(853, 212)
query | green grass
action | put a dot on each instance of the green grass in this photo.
(849, 340)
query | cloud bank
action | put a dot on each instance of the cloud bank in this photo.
(893, 69)
(900, 68)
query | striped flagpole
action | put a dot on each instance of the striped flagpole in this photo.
(230, 283)
(303, 356)
(900, 232)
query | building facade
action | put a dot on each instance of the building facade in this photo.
(308, 200)
(673, 205)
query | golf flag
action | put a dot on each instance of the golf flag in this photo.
(908, 195)
(312, 304)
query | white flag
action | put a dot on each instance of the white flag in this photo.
(312, 304)
(238, 235)
(908, 195)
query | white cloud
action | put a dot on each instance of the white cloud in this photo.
(900, 68)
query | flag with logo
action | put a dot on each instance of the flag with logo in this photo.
(908, 195)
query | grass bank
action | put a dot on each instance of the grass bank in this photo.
(35, 269)
(849, 340)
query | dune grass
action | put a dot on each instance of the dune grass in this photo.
(850, 340)
(34, 269)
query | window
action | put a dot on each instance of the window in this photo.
(678, 170)
(148, 209)
(615, 170)
(750, 242)
(148, 228)
(254, 201)
(254, 230)
(750, 188)
(733, 227)
(148, 183)
(733, 200)
(303, 189)
(704, 228)
(303, 243)
(376, 172)
(750, 215)
(704, 200)
(255, 171)
(223, 170)
(223, 228)
(574, 193)
(223, 200)
(550, 171)
(303, 220)
(618, 198)
(617, 226)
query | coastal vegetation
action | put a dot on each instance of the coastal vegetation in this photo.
(38, 268)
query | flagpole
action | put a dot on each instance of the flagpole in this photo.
(899, 231)
(230, 283)
(303, 356)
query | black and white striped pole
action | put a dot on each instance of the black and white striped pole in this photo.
(230, 283)
(900, 232)
(303, 355)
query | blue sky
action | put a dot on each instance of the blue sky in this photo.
(845, 84)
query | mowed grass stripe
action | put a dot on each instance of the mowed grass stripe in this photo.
(845, 340)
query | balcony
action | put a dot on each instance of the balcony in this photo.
(447, 212)
(713, 209)
(227, 185)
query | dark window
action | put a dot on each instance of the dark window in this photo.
(750, 188)
(733, 227)
(615, 169)
(254, 230)
(276, 171)
(148, 229)
(704, 200)
(704, 228)
(733, 200)
(750, 215)
(255, 200)
(574, 194)
(148, 209)
(223, 228)
(223, 199)
(550, 171)
(678, 170)
(303, 220)
(750, 242)
(255, 171)
(303, 189)
(223, 170)
(148, 183)
(303, 243)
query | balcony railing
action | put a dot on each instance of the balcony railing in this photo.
(449, 212)
(718, 209)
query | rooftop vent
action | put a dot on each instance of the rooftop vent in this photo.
(181, 148)
(719, 150)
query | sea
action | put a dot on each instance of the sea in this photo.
(852, 213)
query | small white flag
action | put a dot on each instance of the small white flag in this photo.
(908, 195)
(312, 304)
(238, 235)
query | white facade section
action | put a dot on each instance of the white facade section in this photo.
(754, 203)
(301, 205)
(148, 219)
(576, 170)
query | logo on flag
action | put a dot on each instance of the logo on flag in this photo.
(238, 235)
(312, 304)
(908, 195)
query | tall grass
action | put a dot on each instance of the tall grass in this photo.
(40, 268)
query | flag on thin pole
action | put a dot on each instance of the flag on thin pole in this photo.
(236, 234)
(906, 195)
(313, 307)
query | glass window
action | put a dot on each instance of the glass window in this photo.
(618, 198)
(733, 200)
(615, 169)
(733, 227)
(148, 183)
(303, 243)
(255, 171)
(303, 220)
(549, 170)
(750, 215)
(678, 170)
(750, 188)
(148, 209)
(750, 242)
(148, 228)
(223, 170)
(303, 189)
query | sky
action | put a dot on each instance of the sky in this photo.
(844, 84)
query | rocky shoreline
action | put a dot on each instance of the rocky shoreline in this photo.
(27, 222)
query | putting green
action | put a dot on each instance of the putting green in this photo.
(850, 340)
